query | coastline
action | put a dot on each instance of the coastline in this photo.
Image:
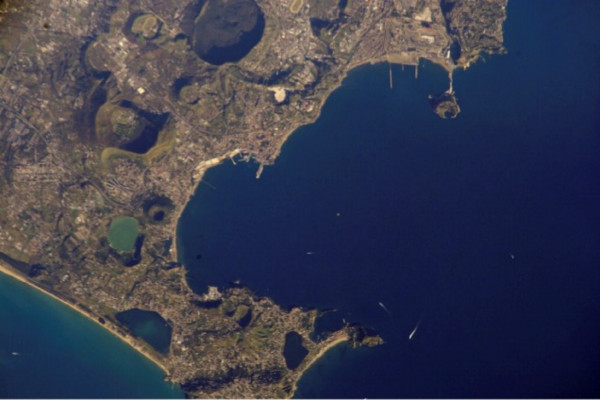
(203, 166)
(9, 271)
(198, 174)
(313, 119)
(341, 337)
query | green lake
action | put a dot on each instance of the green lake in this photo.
(122, 233)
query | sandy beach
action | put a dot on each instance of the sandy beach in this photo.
(8, 270)
(333, 341)
(11, 272)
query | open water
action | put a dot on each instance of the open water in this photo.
(48, 350)
(484, 231)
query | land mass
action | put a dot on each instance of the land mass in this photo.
(112, 110)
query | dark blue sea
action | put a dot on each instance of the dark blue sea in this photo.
(484, 231)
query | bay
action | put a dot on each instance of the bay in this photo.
(483, 231)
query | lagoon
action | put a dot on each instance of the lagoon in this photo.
(484, 228)
(149, 326)
(48, 350)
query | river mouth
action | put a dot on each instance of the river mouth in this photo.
(226, 31)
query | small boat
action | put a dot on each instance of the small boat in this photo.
(15, 353)
(384, 308)
(412, 334)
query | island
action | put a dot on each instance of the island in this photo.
(112, 110)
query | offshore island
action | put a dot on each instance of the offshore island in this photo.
(110, 113)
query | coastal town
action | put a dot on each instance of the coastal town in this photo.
(114, 109)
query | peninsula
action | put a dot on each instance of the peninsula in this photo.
(112, 110)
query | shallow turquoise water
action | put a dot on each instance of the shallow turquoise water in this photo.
(63, 354)
(516, 173)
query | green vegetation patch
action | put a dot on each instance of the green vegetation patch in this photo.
(259, 338)
(116, 125)
(296, 5)
(164, 143)
(123, 233)
(125, 122)
(146, 25)
(190, 93)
